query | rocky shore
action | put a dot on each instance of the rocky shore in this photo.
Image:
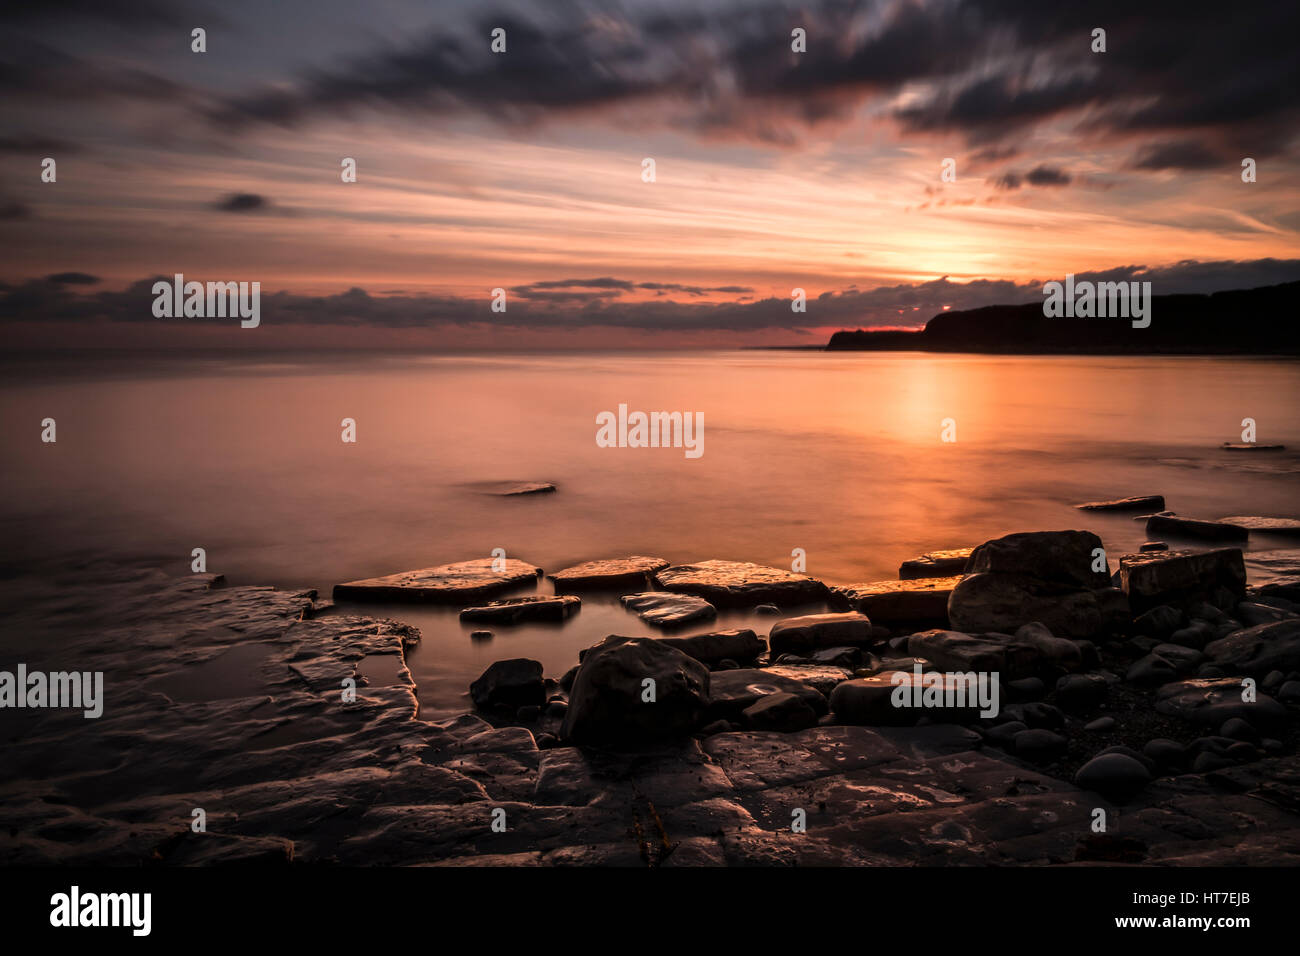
(1144, 711)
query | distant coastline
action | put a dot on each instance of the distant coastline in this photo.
(1260, 321)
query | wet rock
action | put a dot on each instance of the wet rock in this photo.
(1062, 557)
(1258, 650)
(1211, 701)
(1185, 660)
(821, 677)
(767, 610)
(1289, 692)
(557, 708)
(1252, 614)
(508, 685)
(1249, 446)
(1159, 621)
(1038, 714)
(612, 574)
(954, 651)
(444, 584)
(480, 635)
(740, 584)
(1100, 725)
(566, 681)
(733, 692)
(935, 564)
(1004, 735)
(740, 644)
(1039, 746)
(1026, 689)
(847, 657)
(608, 705)
(1080, 692)
(1280, 526)
(1181, 577)
(1207, 762)
(799, 634)
(519, 610)
(1195, 636)
(1146, 503)
(1165, 752)
(782, 712)
(1238, 729)
(1192, 528)
(511, 488)
(1115, 776)
(1054, 650)
(717, 727)
(889, 699)
(528, 713)
(1151, 671)
(915, 601)
(1153, 546)
(663, 609)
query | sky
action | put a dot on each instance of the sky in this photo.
(522, 170)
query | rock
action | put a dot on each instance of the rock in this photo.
(1211, 701)
(935, 564)
(1153, 546)
(898, 664)
(733, 692)
(566, 681)
(737, 645)
(1258, 650)
(607, 705)
(782, 712)
(511, 488)
(508, 685)
(1151, 671)
(917, 601)
(1039, 745)
(1289, 693)
(1041, 715)
(1100, 725)
(1249, 446)
(716, 727)
(1159, 621)
(1165, 752)
(1055, 650)
(518, 610)
(1184, 659)
(875, 701)
(1080, 692)
(1115, 776)
(821, 677)
(1207, 762)
(1181, 577)
(1147, 503)
(1160, 514)
(954, 651)
(1283, 526)
(528, 713)
(444, 584)
(797, 634)
(557, 708)
(1252, 614)
(1061, 557)
(1026, 689)
(612, 574)
(847, 657)
(1191, 528)
(741, 584)
(1195, 636)
(1004, 735)
(480, 635)
(767, 610)
(1141, 758)
(1238, 729)
(662, 609)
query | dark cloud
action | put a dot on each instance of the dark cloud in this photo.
(73, 278)
(908, 305)
(1047, 176)
(44, 145)
(11, 209)
(1185, 154)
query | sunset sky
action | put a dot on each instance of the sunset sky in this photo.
(522, 169)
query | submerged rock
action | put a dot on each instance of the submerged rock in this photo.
(914, 601)
(614, 574)
(518, 610)
(669, 610)
(508, 488)
(1287, 526)
(740, 584)
(1192, 528)
(1249, 446)
(1148, 503)
(509, 685)
(935, 564)
(443, 584)
(811, 631)
(609, 705)
(1182, 577)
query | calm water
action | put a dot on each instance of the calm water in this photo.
(837, 454)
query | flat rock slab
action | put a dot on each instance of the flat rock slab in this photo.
(1175, 577)
(518, 610)
(1288, 526)
(741, 645)
(916, 600)
(798, 634)
(821, 677)
(1147, 503)
(612, 574)
(1193, 528)
(1249, 446)
(663, 609)
(444, 584)
(935, 564)
(731, 692)
(741, 584)
(512, 488)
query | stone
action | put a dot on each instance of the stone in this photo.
(767, 610)
(1181, 577)
(1080, 692)
(1282, 526)
(662, 609)
(528, 713)
(1151, 671)
(511, 488)
(798, 634)
(1165, 752)
(1061, 557)
(733, 692)
(1249, 446)
(1211, 701)
(821, 677)
(508, 685)
(1258, 650)
(607, 705)
(1185, 660)
(1147, 503)
(741, 584)
(915, 601)
(612, 574)
(935, 564)
(1039, 745)
(1153, 546)
(443, 584)
(872, 701)
(480, 635)
(1003, 602)
(1238, 729)
(1026, 688)
(1253, 614)
(1159, 621)
(740, 644)
(519, 610)
(1192, 528)
(782, 712)
(955, 651)
(1055, 650)
(1115, 776)
(1100, 725)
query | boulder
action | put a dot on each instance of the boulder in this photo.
(784, 712)
(1147, 503)
(518, 610)
(509, 685)
(612, 574)
(795, 635)
(607, 705)
(1258, 650)
(732, 692)
(1159, 621)
(741, 584)
(890, 699)
(669, 610)
(1081, 692)
(1054, 650)
(741, 645)
(1211, 701)
(1115, 776)
(1063, 557)
(916, 601)
(935, 564)
(444, 584)
(1192, 528)
(989, 653)
(1181, 577)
